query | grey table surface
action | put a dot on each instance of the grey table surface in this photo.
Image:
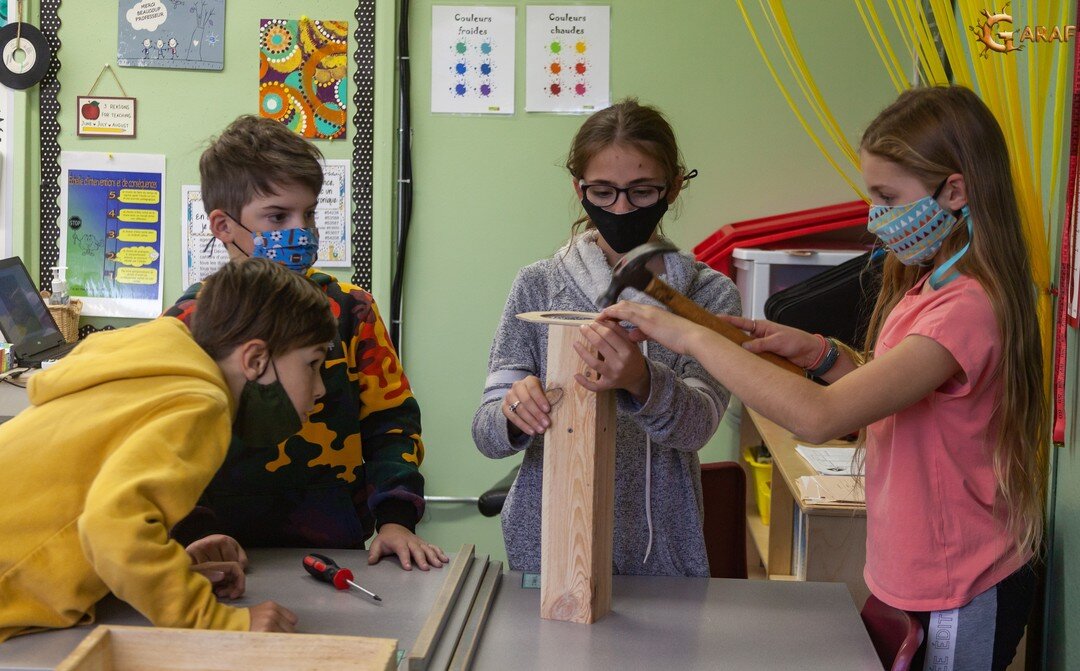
(13, 399)
(656, 623)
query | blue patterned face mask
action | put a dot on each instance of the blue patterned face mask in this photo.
(916, 231)
(295, 248)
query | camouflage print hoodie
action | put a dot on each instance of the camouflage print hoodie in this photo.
(353, 467)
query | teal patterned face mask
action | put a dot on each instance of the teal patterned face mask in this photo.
(916, 231)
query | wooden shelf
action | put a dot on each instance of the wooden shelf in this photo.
(759, 534)
(833, 538)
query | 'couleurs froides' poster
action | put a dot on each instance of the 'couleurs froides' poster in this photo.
(472, 59)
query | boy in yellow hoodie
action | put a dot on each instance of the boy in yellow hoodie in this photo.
(125, 433)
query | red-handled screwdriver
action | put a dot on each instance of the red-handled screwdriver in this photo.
(325, 569)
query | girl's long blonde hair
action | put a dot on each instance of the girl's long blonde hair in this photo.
(935, 132)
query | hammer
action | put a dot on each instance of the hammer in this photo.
(631, 271)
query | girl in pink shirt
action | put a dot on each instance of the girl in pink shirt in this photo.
(949, 387)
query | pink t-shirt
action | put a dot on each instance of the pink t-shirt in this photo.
(935, 528)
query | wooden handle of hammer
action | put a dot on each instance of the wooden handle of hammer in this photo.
(688, 309)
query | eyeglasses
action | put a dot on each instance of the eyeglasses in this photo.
(605, 195)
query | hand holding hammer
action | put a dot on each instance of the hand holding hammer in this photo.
(631, 271)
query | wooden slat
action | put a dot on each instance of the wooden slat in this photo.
(159, 649)
(474, 627)
(447, 642)
(420, 654)
(93, 654)
(578, 490)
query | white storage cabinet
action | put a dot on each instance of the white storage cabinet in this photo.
(760, 273)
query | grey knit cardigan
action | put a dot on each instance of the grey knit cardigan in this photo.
(658, 507)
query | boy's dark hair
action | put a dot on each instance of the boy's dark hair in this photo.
(252, 157)
(252, 299)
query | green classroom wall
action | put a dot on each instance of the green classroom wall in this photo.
(491, 195)
(180, 110)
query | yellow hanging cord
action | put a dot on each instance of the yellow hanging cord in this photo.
(791, 103)
(801, 74)
(881, 44)
(817, 101)
(905, 36)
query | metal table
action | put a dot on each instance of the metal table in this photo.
(688, 623)
(13, 399)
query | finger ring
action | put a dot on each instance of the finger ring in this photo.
(514, 405)
(753, 325)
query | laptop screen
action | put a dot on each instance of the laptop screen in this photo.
(24, 319)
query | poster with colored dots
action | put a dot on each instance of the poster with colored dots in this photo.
(567, 58)
(472, 59)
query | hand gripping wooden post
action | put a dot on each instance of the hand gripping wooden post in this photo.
(579, 483)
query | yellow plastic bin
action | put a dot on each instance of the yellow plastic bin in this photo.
(762, 475)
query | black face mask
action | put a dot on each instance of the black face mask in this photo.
(265, 416)
(623, 232)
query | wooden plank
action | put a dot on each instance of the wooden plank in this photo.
(93, 654)
(578, 490)
(424, 647)
(836, 552)
(781, 508)
(470, 635)
(759, 535)
(160, 649)
(835, 534)
(459, 615)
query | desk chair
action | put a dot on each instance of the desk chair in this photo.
(491, 502)
(896, 635)
(723, 488)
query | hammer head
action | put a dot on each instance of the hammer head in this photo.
(630, 271)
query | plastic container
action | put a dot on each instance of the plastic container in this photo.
(762, 476)
(59, 286)
(760, 273)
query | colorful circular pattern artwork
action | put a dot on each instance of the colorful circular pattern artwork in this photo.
(303, 75)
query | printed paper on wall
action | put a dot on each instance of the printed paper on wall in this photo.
(110, 239)
(472, 59)
(567, 58)
(181, 34)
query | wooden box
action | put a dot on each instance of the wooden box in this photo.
(114, 648)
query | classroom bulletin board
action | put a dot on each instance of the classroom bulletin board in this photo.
(182, 106)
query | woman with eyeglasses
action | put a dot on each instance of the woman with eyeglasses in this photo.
(626, 170)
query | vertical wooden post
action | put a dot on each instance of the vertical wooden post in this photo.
(579, 490)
